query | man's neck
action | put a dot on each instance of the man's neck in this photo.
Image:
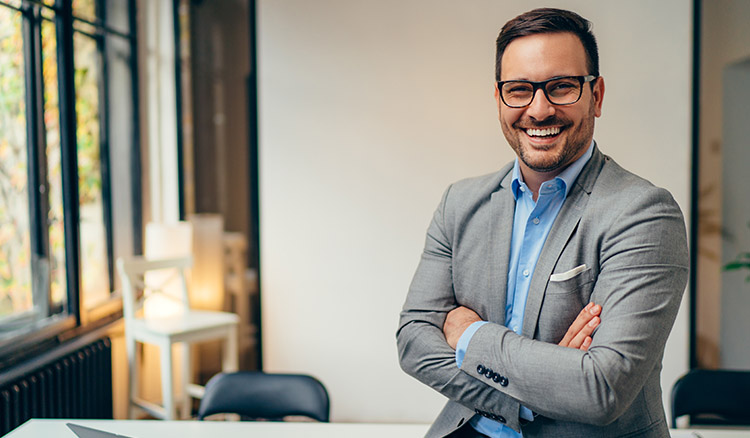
(534, 179)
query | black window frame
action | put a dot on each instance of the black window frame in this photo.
(52, 329)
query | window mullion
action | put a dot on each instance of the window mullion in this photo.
(69, 156)
(135, 158)
(101, 44)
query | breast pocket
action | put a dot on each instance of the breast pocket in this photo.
(565, 296)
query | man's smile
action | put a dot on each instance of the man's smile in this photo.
(543, 132)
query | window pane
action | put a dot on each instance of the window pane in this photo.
(94, 266)
(55, 224)
(15, 247)
(85, 9)
(121, 131)
(117, 15)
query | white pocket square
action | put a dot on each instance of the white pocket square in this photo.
(568, 274)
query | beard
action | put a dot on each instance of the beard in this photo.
(555, 156)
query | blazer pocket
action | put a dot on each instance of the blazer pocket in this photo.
(562, 302)
(568, 274)
(570, 281)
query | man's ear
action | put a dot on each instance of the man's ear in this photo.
(598, 92)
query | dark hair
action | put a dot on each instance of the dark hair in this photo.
(549, 20)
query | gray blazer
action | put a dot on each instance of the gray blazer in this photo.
(618, 241)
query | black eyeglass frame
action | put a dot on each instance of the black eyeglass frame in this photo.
(543, 85)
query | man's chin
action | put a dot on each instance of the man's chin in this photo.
(543, 163)
(544, 167)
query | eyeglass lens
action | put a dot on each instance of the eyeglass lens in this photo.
(563, 91)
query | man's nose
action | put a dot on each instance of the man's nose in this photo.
(540, 108)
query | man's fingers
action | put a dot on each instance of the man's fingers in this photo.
(581, 320)
(580, 325)
(585, 332)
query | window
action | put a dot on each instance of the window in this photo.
(68, 112)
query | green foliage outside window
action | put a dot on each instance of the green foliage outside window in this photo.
(15, 263)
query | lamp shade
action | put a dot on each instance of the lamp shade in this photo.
(207, 275)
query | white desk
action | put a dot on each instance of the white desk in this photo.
(221, 429)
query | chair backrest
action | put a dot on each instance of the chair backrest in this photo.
(712, 397)
(133, 272)
(258, 395)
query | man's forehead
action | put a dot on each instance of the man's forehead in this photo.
(543, 56)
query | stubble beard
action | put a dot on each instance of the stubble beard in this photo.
(551, 160)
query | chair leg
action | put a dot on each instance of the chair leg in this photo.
(167, 390)
(185, 378)
(230, 360)
(130, 346)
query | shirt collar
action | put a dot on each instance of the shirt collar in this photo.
(567, 177)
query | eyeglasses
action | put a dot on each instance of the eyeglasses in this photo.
(564, 90)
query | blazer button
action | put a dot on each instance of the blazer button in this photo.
(501, 419)
(480, 369)
(488, 373)
(496, 377)
(503, 381)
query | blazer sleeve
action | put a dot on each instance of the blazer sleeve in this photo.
(642, 276)
(423, 350)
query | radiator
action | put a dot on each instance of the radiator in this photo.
(75, 384)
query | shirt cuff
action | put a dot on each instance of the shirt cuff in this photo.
(463, 341)
(526, 414)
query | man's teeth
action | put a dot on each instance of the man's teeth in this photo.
(543, 132)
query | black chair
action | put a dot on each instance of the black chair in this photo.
(712, 397)
(256, 395)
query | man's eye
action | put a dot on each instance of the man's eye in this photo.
(519, 89)
(562, 86)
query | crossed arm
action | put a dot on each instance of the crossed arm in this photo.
(642, 274)
(578, 335)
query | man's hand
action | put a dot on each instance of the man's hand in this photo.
(579, 333)
(457, 321)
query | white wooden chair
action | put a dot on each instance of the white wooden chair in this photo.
(186, 327)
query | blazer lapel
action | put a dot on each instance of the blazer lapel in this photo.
(503, 206)
(564, 226)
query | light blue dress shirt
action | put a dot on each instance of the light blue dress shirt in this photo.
(532, 223)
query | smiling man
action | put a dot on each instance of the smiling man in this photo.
(547, 290)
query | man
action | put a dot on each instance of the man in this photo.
(503, 314)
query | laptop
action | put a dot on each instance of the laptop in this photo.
(89, 432)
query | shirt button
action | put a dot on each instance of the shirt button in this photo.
(523, 189)
(536, 221)
(525, 272)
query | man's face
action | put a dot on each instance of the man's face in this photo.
(547, 137)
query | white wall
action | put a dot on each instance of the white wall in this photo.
(368, 110)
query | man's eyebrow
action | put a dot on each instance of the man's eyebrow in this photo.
(525, 79)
